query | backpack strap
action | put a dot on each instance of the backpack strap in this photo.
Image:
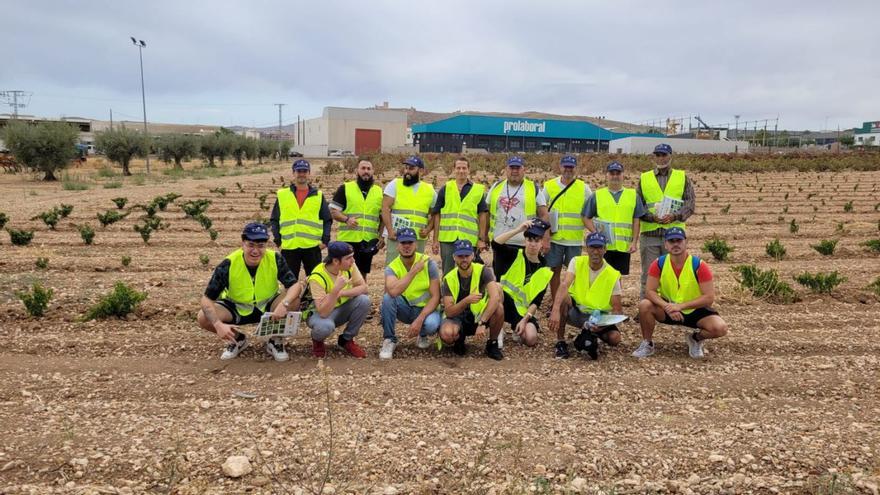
(695, 262)
(660, 262)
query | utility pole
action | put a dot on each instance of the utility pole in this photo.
(111, 119)
(11, 98)
(279, 105)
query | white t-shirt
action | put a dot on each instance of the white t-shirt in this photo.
(587, 191)
(511, 213)
(595, 273)
(391, 191)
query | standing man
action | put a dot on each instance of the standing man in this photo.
(301, 221)
(590, 284)
(412, 295)
(407, 202)
(565, 197)
(511, 202)
(340, 296)
(243, 287)
(653, 186)
(463, 214)
(357, 206)
(615, 210)
(680, 291)
(471, 295)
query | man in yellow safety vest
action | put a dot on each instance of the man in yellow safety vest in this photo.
(407, 202)
(590, 284)
(680, 291)
(357, 206)
(459, 213)
(243, 287)
(300, 221)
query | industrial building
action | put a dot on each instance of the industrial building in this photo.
(351, 130)
(868, 134)
(513, 134)
(644, 145)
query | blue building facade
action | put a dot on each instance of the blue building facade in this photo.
(513, 134)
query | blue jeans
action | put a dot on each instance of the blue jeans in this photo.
(396, 309)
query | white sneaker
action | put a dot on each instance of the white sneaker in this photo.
(387, 351)
(645, 349)
(423, 342)
(695, 347)
(275, 346)
(234, 348)
(501, 339)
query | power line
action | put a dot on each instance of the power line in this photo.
(12, 97)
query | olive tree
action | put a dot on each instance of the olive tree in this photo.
(121, 145)
(45, 147)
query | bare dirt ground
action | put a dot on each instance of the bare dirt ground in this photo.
(787, 403)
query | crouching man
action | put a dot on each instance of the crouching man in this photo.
(472, 302)
(679, 291)
(339, 293)
(243, 287)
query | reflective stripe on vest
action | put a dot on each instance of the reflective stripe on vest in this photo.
(413, 206)
(570, 206)
(530, 208)
(299, 227)
(589, 297)
(365, 210)
(458, 217)
(251, 293)
(653, 195)
(323, 277)
(615, 218)
(452, 282)
(418, 292)
(682, 288)
(522, 293)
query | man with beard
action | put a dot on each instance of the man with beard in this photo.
(565, 197)
(301, 221)
(459, 213)
(653, 186)
(412, 295)
(511, 202)
(357, 206)
(472, 303)
(679, 291)
(407, 202)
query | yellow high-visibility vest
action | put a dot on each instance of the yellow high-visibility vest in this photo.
(569, 207)
(365, 210)
(522, 293)
(653, 195)
(615, 218)
(592, 296)
(418, 292)
(452, 282)
(249, 293)
(300, 227)
(458, 217)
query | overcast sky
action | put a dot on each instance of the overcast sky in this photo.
(227, 62)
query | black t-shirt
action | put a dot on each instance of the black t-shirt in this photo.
(464, 284)
(339, 195)
(220, 278)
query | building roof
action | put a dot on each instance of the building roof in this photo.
(521, 127)
(868, 128)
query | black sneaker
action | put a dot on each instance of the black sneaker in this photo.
(493, 351)
(459, 347)
(587, 342)
(561, 350)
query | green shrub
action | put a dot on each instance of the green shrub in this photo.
(120, 302)
(112, 185)
(42, 263)
(64, 210)
(50, 218)
(765, 284)
(106, 172)
(145, 231)
(20, 237)
(110, 217)
(848, 207)
(194, 208)
(73, 185)
(3, 220)
(825, 247)
(218, 190)
(87, 233)
(163, 201)
(213, 234)
(204, 260)
(120, 202)
(875, 286)
(822, 283)
(775, 249)
(873, 245)
(126, 260)
(150, 209)
(793, 227)
(718, 247)
(36, 300)
(204, 221)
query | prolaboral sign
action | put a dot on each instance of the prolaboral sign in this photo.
(524, 126)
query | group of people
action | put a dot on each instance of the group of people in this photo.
(537, 234)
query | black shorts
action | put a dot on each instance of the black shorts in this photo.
(238, 319)
(511, 315)
(618, 260)
(466, 322)
(690, 320)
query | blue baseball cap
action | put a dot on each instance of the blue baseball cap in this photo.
(596, 239)
(568, 161)
(255, 232)
(515, 161)
(337, 250)
(462, 247)
(406, 234)
(614, 167)
(538, 228)
(414, 161)
(674, 233)
(301, 165)
(663, 149)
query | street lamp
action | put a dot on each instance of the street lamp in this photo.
(141, 45)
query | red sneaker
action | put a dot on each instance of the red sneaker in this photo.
(354, 349)
(318, 348)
